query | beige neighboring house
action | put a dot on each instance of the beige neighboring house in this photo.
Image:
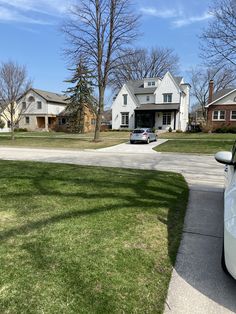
(5, 116)
(40, 109)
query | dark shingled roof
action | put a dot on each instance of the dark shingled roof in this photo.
(178, 79)
(51, 97)
(137, 86)
(221, 93)
(167, 106)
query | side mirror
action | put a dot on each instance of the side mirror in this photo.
(224, 158)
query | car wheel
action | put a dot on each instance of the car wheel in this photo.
(148, 141)
(131, 142)
(223, 265)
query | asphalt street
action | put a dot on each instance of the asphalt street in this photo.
(198, 284)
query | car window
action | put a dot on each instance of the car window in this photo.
(138, 131)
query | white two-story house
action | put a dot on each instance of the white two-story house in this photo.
(152, 102)
(40, 109)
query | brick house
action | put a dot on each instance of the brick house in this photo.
(63, 124)
(221, 107)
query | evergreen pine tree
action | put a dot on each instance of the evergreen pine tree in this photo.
(79, 96)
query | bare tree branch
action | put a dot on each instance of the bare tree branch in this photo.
(13, 84)
(137, 64)
(219, 39)
(99, 32)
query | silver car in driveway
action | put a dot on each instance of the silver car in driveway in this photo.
(229, 245)
(144, 135)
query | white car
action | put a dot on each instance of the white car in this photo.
(229, 246)
(144, 135)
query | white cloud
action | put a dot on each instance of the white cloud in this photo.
(178, 16)
(168, 13)
(191, 19)
(7, 15)
(23, 10)
(41, 6)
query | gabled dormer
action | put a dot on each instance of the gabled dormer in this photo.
(151, 82)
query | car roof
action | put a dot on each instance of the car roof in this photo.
(143, 129)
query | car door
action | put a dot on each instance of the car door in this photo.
(230, 188)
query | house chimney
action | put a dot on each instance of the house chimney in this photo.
(211, 90)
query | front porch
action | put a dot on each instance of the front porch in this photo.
(46, 122)
(158, 119)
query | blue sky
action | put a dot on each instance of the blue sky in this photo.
(30, 34)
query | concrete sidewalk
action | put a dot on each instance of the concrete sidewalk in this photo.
(198, 284)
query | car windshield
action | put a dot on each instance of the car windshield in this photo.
(138, 131)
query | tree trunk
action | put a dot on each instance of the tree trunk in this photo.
(99, 114)
(12, 122)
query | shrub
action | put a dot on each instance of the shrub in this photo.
(225, 129)
(170, 129)
(21, 130)
(179, 131)
(2, 124)
(120, 130)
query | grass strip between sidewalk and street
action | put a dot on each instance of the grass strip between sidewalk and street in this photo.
(77, 239)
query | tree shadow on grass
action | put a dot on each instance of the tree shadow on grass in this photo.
(144, 191)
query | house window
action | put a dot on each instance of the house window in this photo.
(93, 121)
(62, 121)
(124, 118)
(149, 83)
(233, 115)
(31, 99)
(153, 83)
(166, 118)
(27, 120)
(125, 97)
(218, 115)
(148, 98)
(167, 97)
(23, 105)
(39, 105)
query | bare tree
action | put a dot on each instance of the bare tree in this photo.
(141, 63)
(223, 77)
(98, 32)
(219, 39)
(13, 84)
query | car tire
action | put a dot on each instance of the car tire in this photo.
(148, 141)
(131, 142)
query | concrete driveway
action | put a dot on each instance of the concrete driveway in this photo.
(198, 284)
(139, 148)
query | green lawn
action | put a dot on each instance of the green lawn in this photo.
(108, 134)
(211, 136)
(63, 140)
(195, 146)
(87, 240)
